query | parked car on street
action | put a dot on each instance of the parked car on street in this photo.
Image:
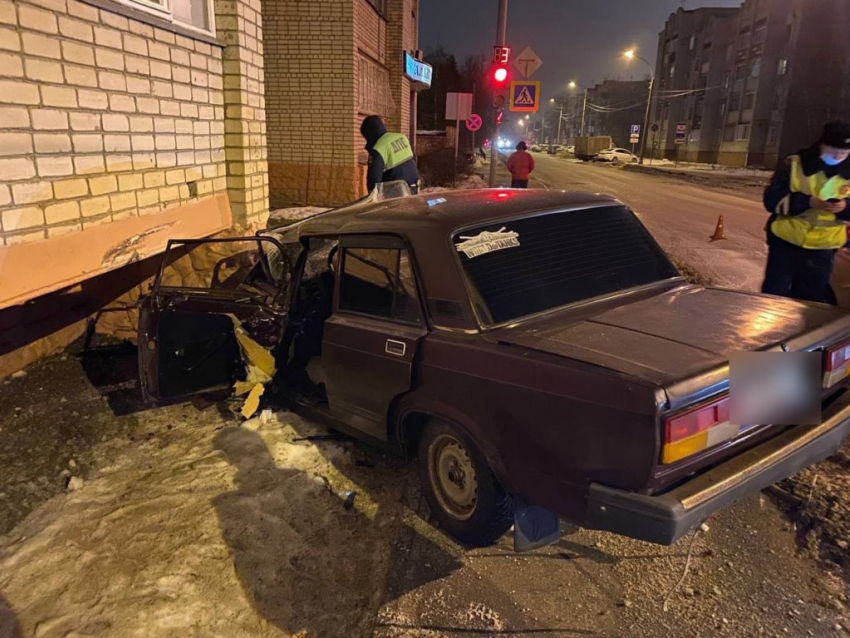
(526, 347)
(616, 155)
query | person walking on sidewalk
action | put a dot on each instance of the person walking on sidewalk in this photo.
(809, 202)
(520, 164)
(390, 156)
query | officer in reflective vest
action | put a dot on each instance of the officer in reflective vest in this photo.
(809, 198)
(390, 155)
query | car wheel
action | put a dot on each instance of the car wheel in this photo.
(461, 489)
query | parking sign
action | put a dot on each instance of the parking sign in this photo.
(681, 132)
(634, 134)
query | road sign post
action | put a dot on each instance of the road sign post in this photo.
(681, 134)
(527, 62)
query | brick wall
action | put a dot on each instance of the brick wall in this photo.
(310, 101)
(239, 28)
(403, 36)
(102, 118)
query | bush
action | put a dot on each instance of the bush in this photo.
(437, 168)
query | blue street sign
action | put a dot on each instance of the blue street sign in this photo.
(525, 96)
(635, 130)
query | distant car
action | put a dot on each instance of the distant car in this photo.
(571, 150)
(529, 347)
(536, 148)
(616, 155)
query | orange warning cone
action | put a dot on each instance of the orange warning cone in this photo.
(718, 231)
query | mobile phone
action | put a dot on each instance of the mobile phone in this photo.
(833, 200)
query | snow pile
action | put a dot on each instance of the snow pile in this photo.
(283, 216)
(207, 528)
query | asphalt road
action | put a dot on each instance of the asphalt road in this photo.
(681, 216)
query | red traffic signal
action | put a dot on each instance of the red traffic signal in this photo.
(500, 75)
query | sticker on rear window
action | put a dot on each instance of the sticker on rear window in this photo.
(487, 242)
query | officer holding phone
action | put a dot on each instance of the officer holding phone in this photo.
(809, 202)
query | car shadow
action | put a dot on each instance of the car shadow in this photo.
(309, 564)
(9, 625)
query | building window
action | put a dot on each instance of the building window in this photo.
(740, 72)
(742, 132)
(374, 84)
(692, 41)
(771, 135)
(749, 101)
(726, 77)
(730, 49)
(777, 100)
(193, 14)
(705, 67)
(783, 66)
(734, 102)
(723, 108)
(755, 68)
(672, 70)
(744, 39)
(759, 32)
(729, 134)
(380, 6)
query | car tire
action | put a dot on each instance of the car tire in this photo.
(463, 493)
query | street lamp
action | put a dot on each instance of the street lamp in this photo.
(630, 55)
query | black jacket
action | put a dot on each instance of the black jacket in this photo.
(372, 130)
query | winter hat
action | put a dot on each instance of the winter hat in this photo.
(836, 134)
(522, 146)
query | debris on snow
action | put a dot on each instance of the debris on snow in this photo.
(20, 374)
(75, 483)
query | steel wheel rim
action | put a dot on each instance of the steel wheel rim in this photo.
(453, 477)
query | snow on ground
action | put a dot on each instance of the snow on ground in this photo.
(205, 528)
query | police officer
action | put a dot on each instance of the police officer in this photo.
(390, 156)
(809, 198)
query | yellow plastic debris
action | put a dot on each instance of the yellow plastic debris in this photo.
(253, 401)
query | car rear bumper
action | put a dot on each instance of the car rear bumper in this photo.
(667, 517)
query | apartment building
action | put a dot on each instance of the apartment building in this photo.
(329, 64)
(751, 85)
(613, 107)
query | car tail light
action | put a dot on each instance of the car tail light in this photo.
(836, 364)
(697, 429)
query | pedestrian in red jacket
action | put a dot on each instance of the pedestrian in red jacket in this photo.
(520, 164)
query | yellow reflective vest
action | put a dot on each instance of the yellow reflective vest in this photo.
(815, 229)
(394, 149)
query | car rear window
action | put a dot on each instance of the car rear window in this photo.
(533, 264)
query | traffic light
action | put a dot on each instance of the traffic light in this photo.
(500, 76)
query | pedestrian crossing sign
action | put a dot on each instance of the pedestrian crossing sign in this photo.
(525, 96)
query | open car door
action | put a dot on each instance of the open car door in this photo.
(206, 292)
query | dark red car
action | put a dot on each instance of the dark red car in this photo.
(528, 347)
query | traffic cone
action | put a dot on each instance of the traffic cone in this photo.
(718, 230)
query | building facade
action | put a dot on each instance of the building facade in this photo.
(613, 107)
(329, 64)
(751, 85)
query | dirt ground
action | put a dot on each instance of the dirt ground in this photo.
(191, 523)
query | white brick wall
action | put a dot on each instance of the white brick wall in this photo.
(95, 107)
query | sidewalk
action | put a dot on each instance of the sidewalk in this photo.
(745, 180)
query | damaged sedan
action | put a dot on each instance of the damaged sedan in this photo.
(530, 349)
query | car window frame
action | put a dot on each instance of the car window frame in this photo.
(470, 296)
(377, 242)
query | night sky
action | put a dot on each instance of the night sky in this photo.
(576, 39)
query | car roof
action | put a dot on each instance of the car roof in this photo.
(441, 212)
(427, 221)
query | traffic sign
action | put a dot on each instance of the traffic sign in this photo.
(474, 122)
(527, 62)
(458, 106)
(654, 127)
(681, 132)
(525, 96)
(501, 55)
(634, 134)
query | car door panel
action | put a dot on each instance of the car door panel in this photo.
(368, 363)
(187, 340)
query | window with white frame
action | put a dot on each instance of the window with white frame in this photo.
(742, 132)
(197, 15)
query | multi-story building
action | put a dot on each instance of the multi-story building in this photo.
(126, 122)
(329, 63)
(613, 107)
(754, 84)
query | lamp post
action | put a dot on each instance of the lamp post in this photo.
(629, 55)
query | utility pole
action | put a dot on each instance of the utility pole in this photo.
(645, 132)
(560, 119)
(501, 34)
(583, 111)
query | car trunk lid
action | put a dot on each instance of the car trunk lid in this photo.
(680, 340)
